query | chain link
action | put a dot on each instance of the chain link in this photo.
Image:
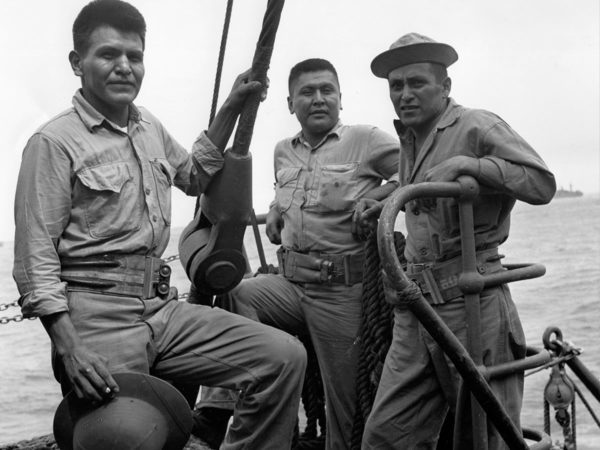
(5, 306)
(19, 317)
(171, 258)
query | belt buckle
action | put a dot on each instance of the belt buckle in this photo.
(157, 275)
(326, 271)
(418, 267)
(427, 283)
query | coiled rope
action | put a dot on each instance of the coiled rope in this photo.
(375, 334)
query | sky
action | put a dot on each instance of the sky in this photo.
(535, 63)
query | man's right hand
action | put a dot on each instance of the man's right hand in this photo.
(86, 370)
(274, 225)
(364, 219)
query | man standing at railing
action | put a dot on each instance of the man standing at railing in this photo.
(320, 174)
(441, 140)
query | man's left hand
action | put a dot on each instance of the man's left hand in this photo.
(242, 87)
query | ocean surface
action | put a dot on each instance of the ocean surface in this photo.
(564, 236)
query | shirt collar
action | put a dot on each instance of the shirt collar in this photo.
(93, 119)
(449, 116)
(335, 131)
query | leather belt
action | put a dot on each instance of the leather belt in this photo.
(439, 280)
(130, 275)
(317, 267)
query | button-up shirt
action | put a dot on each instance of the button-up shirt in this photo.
(87, 187)
(510, 169)
(316, 189)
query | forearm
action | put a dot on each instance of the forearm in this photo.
(381, 192)
(223, 124)
(62, 332)
(522, 182)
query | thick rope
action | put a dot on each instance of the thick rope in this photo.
(375, 335)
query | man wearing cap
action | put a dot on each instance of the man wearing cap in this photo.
(93, 215)
(441, 140)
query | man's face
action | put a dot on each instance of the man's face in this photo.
(111, 70)
(315, 99)
(418, 97)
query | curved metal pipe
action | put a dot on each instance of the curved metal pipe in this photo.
(425, 313)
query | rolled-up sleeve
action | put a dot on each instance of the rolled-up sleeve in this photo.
(208, 160)
(42, 208)
(511, 165)
(383, 154)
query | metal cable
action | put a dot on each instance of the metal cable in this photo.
(223, 46)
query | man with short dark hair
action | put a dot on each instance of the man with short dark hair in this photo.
(320, 174)
(441, 140)
(93, 215)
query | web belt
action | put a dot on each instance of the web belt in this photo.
(317, 267)
(129, 275)
(439, 280)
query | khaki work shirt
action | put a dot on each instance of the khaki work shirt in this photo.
(316, 189)
(510, 169)
(87, 188)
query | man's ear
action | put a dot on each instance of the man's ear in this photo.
(341, 102)
(76, 63)
(447, 84)
(290, 105)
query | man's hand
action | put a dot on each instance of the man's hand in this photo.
(242, 87)
(222, 126)
(88, 374)
(87, 371)
(452, 168)
(274, 225)
(366, 213)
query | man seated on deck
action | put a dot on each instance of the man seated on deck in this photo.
(441, 140)
(320, 174)
(92, 211)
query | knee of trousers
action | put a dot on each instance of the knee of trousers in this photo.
(289, 355)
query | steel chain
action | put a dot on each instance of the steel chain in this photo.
(5, 306)
(19, 317)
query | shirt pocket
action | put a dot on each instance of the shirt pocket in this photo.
(163, 175)
(287, 183)
(110, 200)
(337, 187)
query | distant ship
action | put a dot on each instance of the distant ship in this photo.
(563, 193)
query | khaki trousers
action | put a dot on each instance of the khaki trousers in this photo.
(419, 383)
(330, 315)
(186, 343)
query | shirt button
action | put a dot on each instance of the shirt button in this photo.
(310, 169)
(154, 218)
(416, 211)
(423, 251)
(148, 190)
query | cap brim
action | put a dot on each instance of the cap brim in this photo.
(431, 52)
(160, 394)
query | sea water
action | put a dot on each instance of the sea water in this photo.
(564, 236)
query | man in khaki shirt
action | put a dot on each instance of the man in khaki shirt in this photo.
(93, 215)
(441, 140)
(321, 173)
